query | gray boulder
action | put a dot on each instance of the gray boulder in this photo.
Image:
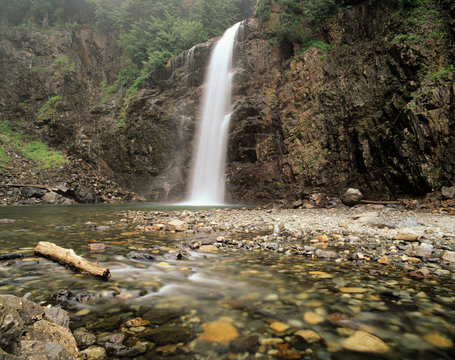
(33, 332)
(351, 197)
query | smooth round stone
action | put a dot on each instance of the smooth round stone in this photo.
(362, 341)
(309, 336)
(312, 318)
(279, 327)
(82, 312)
(94, 352)
(353, 290)
(438, 340)
(219, 332)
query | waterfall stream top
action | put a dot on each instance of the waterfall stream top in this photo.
(207, 179)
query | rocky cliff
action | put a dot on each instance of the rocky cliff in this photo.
(373, 108)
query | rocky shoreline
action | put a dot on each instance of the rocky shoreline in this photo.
(421, 242)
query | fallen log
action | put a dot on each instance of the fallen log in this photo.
(69, 258)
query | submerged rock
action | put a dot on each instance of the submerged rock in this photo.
(362, 341)
(219, 332)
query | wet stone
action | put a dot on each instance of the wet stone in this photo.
(167, 334)
(218, 331)
(362, 341)
(136, 255)
(159, 316)
(309, 336)
(438, 340)
(110, 323)
(244, 343)
(93, 352)
(113, 338)
(84, 338)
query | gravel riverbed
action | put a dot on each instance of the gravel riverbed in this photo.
(421, 242)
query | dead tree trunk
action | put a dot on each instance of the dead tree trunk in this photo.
(69, 258)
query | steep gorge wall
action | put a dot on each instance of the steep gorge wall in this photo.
(372, 112)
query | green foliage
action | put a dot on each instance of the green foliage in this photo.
(48, 107)
(4, 158)
(63, 63)
(263, 9)
(34, 150)
(42, 156)
(319, 10)
(443, 73)
(289, 18)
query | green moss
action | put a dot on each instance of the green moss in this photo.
(63, 63)
(443, 73)
(48, 107)
(42, 156)
(35, 151)
(4, 158)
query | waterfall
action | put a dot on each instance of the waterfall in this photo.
(207, 179)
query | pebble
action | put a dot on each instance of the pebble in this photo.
(407, 236)
(312, 318)
(93, 352)
(438, 340)
(309, 336)
(320, 275)
(448, 256)
(362, 341)
(271, 341)
(279, 327)
(137, 322)
(353, 290)
(219, 332)
(208, 248)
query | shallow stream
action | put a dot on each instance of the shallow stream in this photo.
(248, 291)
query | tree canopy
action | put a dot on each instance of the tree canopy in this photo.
(149, 31)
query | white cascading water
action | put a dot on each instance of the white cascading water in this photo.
(207, 181)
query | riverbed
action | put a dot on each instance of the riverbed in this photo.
(342, 283)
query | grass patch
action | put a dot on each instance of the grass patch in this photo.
(35, 151)
(42, 156)
(48, 107)
(63, 63)
(4, 158)
(443, 73)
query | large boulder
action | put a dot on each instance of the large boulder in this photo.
(30, 331)
(351, 197)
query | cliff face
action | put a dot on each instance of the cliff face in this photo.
(375, 109)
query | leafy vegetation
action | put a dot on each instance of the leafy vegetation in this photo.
(4, 158)
(63, 63)
(48, 107)
(149, 31)
(287, 23)
(42, 156)
(35, 151)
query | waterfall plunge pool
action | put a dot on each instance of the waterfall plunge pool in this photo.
(229, 304)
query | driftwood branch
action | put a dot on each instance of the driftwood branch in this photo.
(69, 258)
